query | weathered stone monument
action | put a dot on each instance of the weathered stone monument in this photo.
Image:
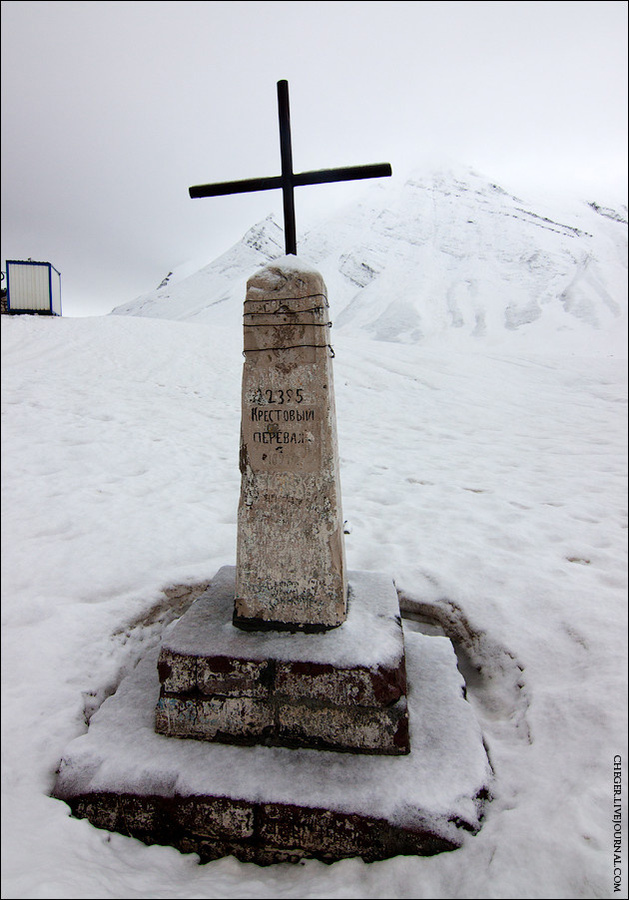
(290, 569)
(287, 679)
(346, 690)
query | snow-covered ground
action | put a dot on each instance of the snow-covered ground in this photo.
(489, 479)
(481, 379)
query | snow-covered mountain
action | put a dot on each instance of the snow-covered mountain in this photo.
(442, 255)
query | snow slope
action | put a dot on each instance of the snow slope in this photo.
(491, 486)
(444, 254)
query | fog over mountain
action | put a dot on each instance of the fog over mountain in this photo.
(444, 255)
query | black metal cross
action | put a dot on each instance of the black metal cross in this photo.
(289, 179)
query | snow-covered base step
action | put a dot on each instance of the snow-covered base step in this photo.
(343, 689)
(273, 804)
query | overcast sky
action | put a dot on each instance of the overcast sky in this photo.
(111, 110)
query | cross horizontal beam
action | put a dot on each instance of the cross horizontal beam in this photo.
(320, 176)
(288, 180)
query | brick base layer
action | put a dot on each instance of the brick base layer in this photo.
(262, 833)
(339, 690)
(273, 804)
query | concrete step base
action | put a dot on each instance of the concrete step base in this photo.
(274, 804)
(343, 689)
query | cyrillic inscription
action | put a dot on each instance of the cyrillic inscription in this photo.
(275, 416)
(282, 437)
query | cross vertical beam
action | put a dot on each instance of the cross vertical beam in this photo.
(286, 152)
(289, 179)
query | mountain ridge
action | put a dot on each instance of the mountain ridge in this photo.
(441, 255)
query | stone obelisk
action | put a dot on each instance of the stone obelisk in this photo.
(290, 569)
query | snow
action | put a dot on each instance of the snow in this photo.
(441, 255)
(291, 264)
(485, 472)
(370, 636)
(436, 783)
